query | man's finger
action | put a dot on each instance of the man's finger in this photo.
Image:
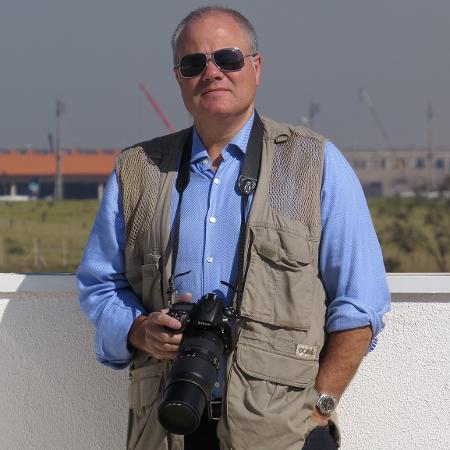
(164, 347)
(165, 320)
(186, 297)
(166, 338)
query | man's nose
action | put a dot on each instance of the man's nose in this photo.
(211, 70)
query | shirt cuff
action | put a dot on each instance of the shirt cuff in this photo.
(111, 340)
(345, 313)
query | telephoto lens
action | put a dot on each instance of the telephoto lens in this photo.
(191, 381)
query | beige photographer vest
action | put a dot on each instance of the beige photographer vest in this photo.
(268, 397)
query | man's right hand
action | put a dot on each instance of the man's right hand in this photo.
(148, 333)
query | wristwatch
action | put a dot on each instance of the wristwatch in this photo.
(326, 403)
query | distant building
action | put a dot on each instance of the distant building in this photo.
(400, 171)
(85, 171)
(32, 172)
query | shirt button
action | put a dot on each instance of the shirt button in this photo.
(216, 181)
(209, 259)
(217, 384)
(205, 161)
(212, 219)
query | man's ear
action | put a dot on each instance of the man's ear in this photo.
(257, 63)
(177, 75)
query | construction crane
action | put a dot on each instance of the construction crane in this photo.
(364, 97)
(156, 107)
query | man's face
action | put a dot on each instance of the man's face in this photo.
(215, 93)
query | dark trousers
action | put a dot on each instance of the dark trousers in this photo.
(205, 438)
(320, 438)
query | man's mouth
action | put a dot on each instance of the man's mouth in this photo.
(212, 90)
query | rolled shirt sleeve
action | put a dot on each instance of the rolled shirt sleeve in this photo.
(105, 294)
(351, 262)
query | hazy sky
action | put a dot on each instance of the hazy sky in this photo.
(94, 53)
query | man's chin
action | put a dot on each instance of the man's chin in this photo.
(219, 112)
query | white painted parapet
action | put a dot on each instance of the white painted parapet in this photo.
(400, 397)
(53, 395)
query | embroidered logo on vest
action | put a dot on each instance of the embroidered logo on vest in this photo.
(306, 351)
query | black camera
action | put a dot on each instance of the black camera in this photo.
(209, 332)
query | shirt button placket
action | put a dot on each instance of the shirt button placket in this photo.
(209, 261)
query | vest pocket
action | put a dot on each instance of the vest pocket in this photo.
(280, 278)
(270, 390)
(144, 386)
(144, 395)
(152, 297)
(277, 360)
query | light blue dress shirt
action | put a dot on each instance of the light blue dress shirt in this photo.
(351, 262)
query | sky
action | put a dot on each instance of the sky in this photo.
(94, 53)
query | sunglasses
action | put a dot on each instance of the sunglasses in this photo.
(226, 59)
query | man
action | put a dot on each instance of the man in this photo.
(300, 254)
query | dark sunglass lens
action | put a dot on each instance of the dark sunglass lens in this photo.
(192, 65)
(229, 59)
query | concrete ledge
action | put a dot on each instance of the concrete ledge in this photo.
(399, 283)
(419, 283)
(38, 282)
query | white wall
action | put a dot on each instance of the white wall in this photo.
(53, 395)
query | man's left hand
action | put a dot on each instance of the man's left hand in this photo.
(318, 418)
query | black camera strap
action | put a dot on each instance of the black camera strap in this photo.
(181, 184)
(247, 182)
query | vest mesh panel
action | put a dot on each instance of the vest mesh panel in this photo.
(146, 177)
(295, 179)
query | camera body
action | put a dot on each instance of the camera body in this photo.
(208, 314)
(210, 331)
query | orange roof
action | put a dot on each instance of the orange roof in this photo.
(74, 162)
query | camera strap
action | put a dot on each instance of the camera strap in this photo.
(181, 184)
(247, 183)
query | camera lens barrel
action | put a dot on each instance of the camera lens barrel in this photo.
(191, 381)
(182, 408)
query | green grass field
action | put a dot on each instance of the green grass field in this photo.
(414, 233)
(42, 236)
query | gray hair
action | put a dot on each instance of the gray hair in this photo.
(198, 13)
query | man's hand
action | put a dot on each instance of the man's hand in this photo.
(148, 333)
(319, 419)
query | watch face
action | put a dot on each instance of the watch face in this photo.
(326, 404)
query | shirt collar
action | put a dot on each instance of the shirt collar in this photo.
(239, 140)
